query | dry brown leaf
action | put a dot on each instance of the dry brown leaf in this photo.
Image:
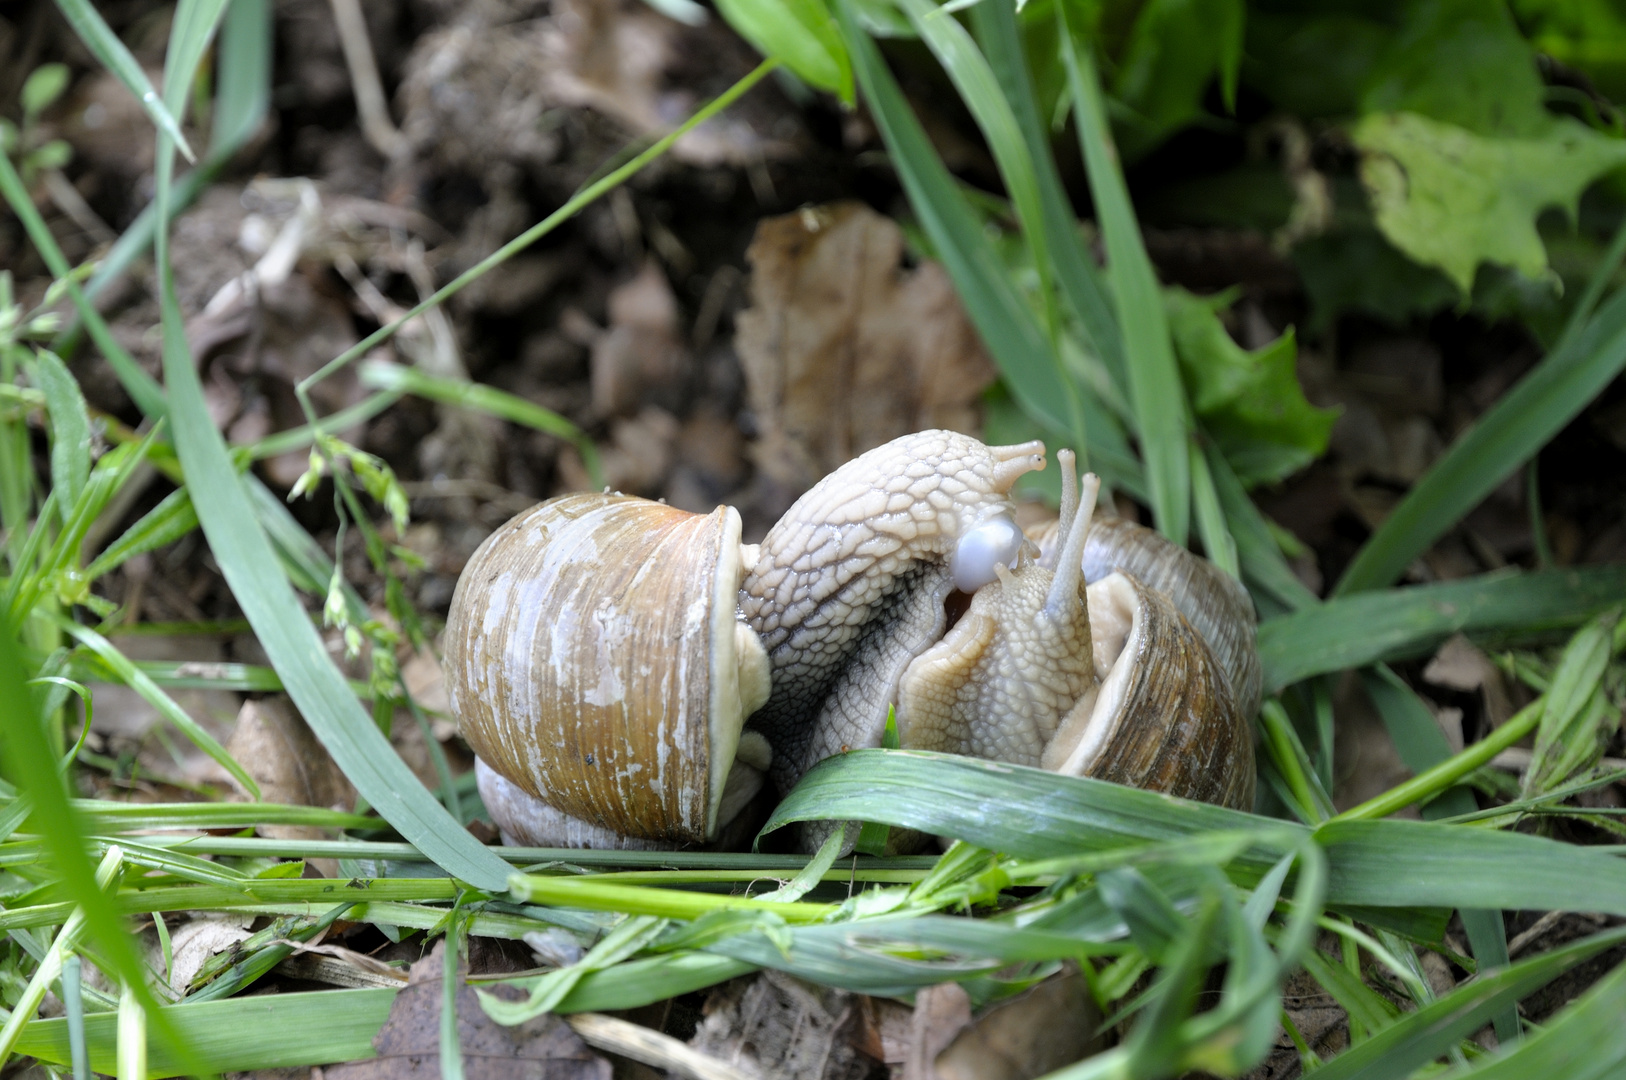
(782, 1029)
(195, 940)
(641, 351)
(409, 1042)
(274, 744)
(125, 720)
(941, 1013)
(1461, 665)
(845, 348)
(1036, 1032)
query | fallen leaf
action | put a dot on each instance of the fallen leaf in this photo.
(941, 1013)
(641, 351)
(408, 1044)
(1040, 1030)
(1453, 199)
(845, 347)
(195, 940)
(274, 744)
(782, 1028)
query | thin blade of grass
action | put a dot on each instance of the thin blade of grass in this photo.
(1007, 326)
(1422, 745)
(1076, 273)
(239, 1034)
(153, 694)
(70, 427)
(1585, 1041)
(1400, 623)
(255, 575)
(105, 45)
(395, 378)
(243, 74)
(1419, 1037)
(1155, 390)
(32, 766)
(165, 523)
(1507, 435)
(1261, 558)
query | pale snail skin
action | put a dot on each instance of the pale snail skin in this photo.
(1107, 680)
(847, 592)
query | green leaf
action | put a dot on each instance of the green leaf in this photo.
(1249, 400)
(42, 87)
(801, 35)
(70, 427)
(1175, 50)
(1353, 631)
(1461, 62)
(1450, 198)
(165, 523)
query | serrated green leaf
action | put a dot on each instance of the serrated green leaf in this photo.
(801, 35)
(1176, 48)
(1463, 62)
(1450, 198)
(1250, 401)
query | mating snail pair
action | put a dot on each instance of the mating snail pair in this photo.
(628, 673)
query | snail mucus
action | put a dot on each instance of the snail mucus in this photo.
(629, 674)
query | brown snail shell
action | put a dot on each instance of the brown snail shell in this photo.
(595, 663)
(1214, 602)
(1109, 680)
(1164, 717)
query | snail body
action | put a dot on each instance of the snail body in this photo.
(604, 653)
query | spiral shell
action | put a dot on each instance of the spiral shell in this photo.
(594, 660)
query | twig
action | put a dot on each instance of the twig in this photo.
(364, 82)
(652, 1048)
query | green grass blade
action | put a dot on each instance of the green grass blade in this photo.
(32, 766)
(1261, 558)
(1155, 391)
(1003, 320)
(981, 92)
(105, 45)
(1419, 1037)
(302, 436)
(1507, 435)
(143, 390)
(239, 1034)
(1076, 273)
(1399, 623)
(256, 577)
(165, 523)
(1585, 1041)
(243, 67)
(153, 694)
(397, 379)
(285, 630)
(1423, 745)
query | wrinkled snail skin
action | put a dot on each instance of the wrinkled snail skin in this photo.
(1214, 602)
(999, 683)
(1109, 681)
(848, 587)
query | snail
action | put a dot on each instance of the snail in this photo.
(1107, 679)
(604, 653)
